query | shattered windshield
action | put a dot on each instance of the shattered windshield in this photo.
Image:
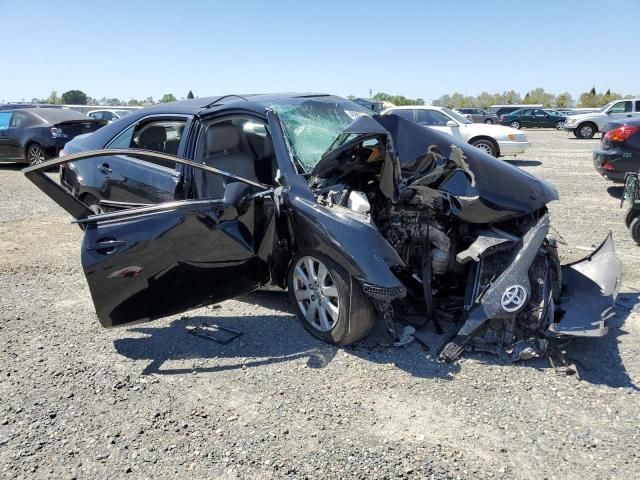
(312, 125)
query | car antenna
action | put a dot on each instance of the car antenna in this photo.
(217, 100)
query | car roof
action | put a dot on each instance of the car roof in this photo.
(54, 115)
(257, 102)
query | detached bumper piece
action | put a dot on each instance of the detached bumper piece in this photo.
(589, 291)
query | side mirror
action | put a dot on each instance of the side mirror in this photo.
(452, 124)
(234, 194)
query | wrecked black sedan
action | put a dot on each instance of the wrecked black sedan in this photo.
(360, 217)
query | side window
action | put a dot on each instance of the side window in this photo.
(621, 107)
(539, 113)
(637, 105)
(432, 117)
(19, 119)
(96, 115)
(107, 116)
(5, 119)
(405, 113)
(162, 136)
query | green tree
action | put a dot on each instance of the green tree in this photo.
(54, 98)
(484, 100)
(190, 95)
(398, 99)
(134, 103)
(564, 100)
(593, 91)
(351, 97)
(167, 97)
(74, 97)
(538, 95)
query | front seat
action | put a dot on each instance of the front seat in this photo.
(153, 138)
(222, 150)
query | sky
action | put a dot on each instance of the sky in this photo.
(135, 49)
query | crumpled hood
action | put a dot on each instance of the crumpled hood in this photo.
(493, 190)
(499, 190)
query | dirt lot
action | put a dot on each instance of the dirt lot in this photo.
(153, 401)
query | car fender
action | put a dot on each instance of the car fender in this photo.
(349, 238)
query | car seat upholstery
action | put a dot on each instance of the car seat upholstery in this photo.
(153, 138)
(222, 150)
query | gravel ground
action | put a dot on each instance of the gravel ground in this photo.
(153, 401)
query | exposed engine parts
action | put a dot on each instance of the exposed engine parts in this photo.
(501, 279)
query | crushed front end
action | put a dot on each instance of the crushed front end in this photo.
(473, 234)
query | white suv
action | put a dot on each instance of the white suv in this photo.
(587, 124)
(496, 140)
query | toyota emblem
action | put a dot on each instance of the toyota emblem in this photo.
(513, 298)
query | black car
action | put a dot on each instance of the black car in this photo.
(533, 118)
(35, 135)
(359, 216)
(619, 150)
(14, 106)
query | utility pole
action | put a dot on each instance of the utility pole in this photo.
(370, 93)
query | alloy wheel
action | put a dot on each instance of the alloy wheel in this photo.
(559, 125)
(586, 131)
(316, 293)
(488, 121)
(35, 155)
(514, 124)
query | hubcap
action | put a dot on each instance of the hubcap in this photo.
(560, 125)
(316, 293)
(36, 155)
(586, 131)
(489, 121)
(484, 147)
(515, 124)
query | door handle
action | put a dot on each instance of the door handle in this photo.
(105, 246)
(104, 168)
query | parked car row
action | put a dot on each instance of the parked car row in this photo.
(495, 140)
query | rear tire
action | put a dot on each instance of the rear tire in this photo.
(488, 121)
(635, 230)
(515, 125)
(630, 216)
(36, 154)
(586, 130)
(328, 301)
(559, 125)
(486, 146)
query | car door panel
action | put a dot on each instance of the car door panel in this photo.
(150, 266)
(157, 260)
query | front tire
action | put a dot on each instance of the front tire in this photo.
(486, 146)
(36, 154)
(586, 130)
(488, 121)
(632, 213)
(329, 302)
(515, 125)
(635, 230)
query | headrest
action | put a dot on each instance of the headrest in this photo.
(221, 138)
(153, 135)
